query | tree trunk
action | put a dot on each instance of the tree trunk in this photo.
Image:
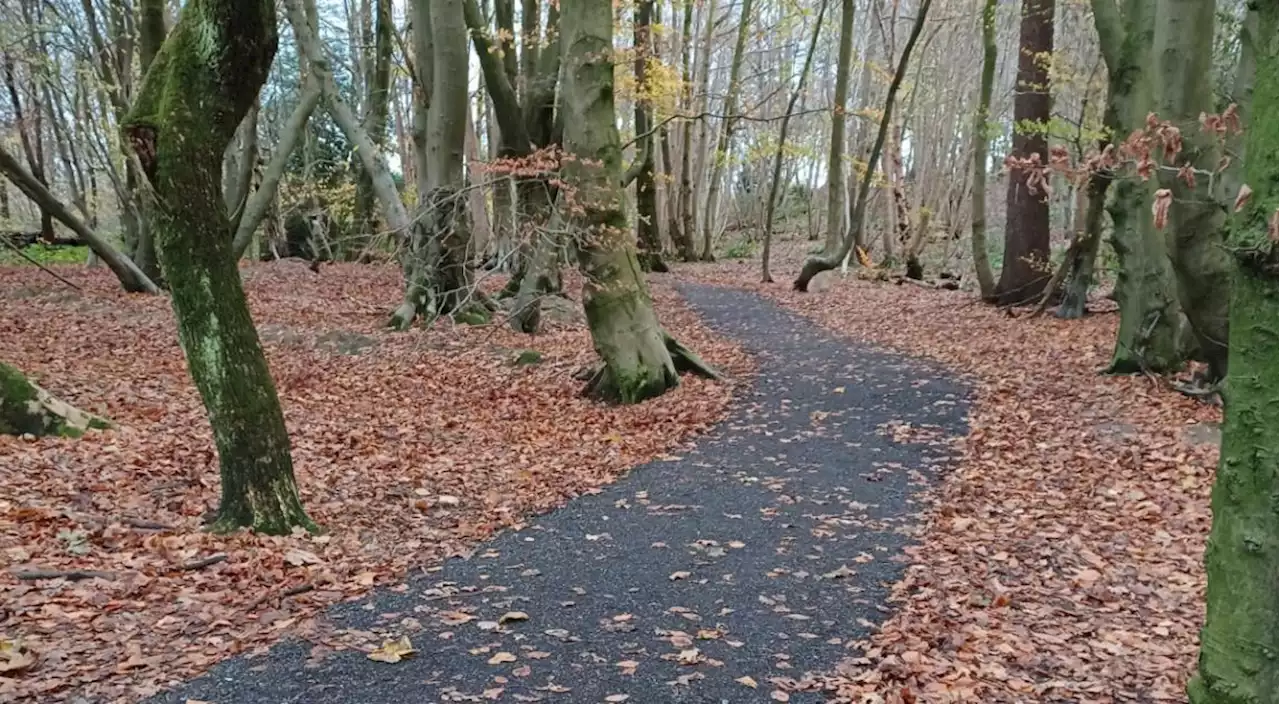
(640, 360)
(839, 118)
(201, 84)
(776, 179)
(725, 141)
(27, 409)
(377, 102)
(1184, 51)
(1026, 236)
(981, 144)
(688, 222)
(1084, 249)
(257, 204)
(1238, 644)
(816, 265)
(646, 187)
(1149, 335)
(438, 279)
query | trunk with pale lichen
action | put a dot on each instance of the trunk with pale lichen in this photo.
(195, 94)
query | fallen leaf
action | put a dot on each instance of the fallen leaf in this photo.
(501, 657)
(747, 681)
(393, 650)
(513, 616)
(679, 575)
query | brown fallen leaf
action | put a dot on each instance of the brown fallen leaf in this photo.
(628, 666)
(747, 681)
(679, 575)
(393, 651)
(513, 616)
(615, 698)
(501, 657)
(778, 695)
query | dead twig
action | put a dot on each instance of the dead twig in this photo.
(204, 562)
(73, 575)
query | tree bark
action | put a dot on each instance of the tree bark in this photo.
(438, 278)
(1238, 644)
(27, 409)
(377, 102)
(640, 360)
(1083, 252)
(981, 145)
(1026, 236)
(1184, 50)
(725, 141)
(204, 79)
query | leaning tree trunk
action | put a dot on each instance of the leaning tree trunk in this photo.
(200, 86)
(1026, 238)
(27, 409)
(720, 158)
(1183, 48)
(1238, 644)
(828, 261)
(640, 360)
(130, 276)
(776, 177)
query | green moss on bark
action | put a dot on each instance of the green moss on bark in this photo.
(1239, 643)
(199, 88)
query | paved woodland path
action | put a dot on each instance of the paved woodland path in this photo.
(759, 554)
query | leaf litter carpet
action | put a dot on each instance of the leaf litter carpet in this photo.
(727, 572)
(1062, 560)
(407, 447)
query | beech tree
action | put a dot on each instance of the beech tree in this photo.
(640, 360)
(1238, 644)
(1182, 47)
(200, 85)
(1026, 241)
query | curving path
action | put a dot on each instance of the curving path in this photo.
(760, 554)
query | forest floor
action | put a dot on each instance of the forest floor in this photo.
(1057, 559)
(1061, 561)
(408, 448)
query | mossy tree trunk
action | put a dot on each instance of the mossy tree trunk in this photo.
(27, 409)
(1083, 252)
(1183, 47)
(1150, 318)
(640, 360)
(199, 87)
(1238, 646)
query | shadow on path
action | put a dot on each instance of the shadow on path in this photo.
(759, 554)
